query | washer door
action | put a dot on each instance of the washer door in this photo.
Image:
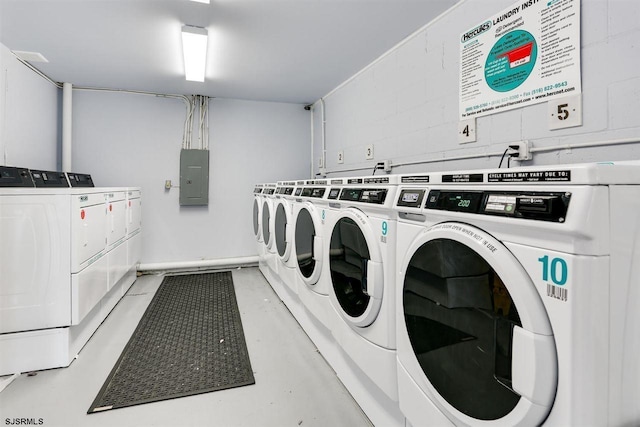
(283, 230)
(356, 268)
(267, 236)
(308, 244)
(478, 328)
(257, 231)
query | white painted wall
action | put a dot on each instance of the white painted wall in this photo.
(28, 116)
(135, 140)
(406, 103)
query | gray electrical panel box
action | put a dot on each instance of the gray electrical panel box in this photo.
(194, 177)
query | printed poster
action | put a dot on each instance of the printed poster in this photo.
(526, 54)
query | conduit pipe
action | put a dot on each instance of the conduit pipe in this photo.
(67, 89)
(207, 263)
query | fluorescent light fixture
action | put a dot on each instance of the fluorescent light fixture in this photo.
(194, 48)
(201, 1)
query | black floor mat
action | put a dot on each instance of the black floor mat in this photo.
(189, 341)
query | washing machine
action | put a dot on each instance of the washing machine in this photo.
(283, 228)
(257, 220)
(360, 270)
(309, 248)
(268, 237)
(411, 221)
(516, 300)
(267, 256)
(134, 226)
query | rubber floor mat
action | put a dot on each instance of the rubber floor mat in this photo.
(189, 341)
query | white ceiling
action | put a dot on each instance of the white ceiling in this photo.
(273, 50)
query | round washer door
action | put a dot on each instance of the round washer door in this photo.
(356, 268)
(257, 214)
(308, 244)
(283, 230)
(478, 328)
(267, 236)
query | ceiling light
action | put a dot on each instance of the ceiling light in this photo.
(201, 1)
(194, 48)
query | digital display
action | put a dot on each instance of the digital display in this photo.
(351, 194)
(457, 201)
(318, 192)
(410, 197)
(333, 193)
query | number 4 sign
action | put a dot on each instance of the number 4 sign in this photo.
(565, 112)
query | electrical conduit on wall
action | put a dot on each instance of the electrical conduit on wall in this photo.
(67, 110)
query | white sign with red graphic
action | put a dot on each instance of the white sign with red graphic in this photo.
(526, 54)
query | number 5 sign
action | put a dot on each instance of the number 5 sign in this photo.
(565, 112)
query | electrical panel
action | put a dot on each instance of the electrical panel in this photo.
(194, 177)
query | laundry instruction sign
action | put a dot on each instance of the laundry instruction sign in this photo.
(526, 54)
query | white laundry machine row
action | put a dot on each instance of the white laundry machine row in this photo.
(516, 297)
(60, 274)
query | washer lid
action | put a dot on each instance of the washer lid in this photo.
(356, 268)
(478, 328)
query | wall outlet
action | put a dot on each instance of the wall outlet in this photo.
(167, 184)
(341, 157)
(520, 150)
(368, 152)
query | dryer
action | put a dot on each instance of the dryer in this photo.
(515, 300)
(360, 271)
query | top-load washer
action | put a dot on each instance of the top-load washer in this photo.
(515, 302)
(283, 230)
(360, 270)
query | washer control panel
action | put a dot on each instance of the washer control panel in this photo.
(544, 206)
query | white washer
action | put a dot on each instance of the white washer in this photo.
(283, 234)
(515, 301)
(134, 226)
(267, 264)
(412, 193)
(257, 221)
(309, 249)
(360, 238)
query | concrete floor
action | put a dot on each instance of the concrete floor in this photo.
(294, 385)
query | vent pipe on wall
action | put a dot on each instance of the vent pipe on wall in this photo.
(67, 88)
